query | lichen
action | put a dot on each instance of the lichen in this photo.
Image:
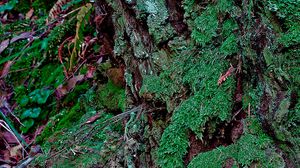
(157, 17)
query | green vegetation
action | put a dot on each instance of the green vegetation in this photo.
(118, 84)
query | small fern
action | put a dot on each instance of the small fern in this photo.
(82, 18)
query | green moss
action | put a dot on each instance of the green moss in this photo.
(202, 107)
(288, 10)
(173, 147)
(229, 46)
(52, 75)
(229, 25)
(47, 132)
(58, 34)
(111, 97)
(78, 90)
(44, 6)
(291, 37)
(252, 148)
(205, 26)
(98, 149)
(71, 117)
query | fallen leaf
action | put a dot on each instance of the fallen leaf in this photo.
(72, 82)
(62, 90)
(10, 139)
(5, 69)
(93, 119)
(90, 72)
(226, 75)
(22, 36)
(15, 151)
(56, 10)
(4, 44)
(29, 13)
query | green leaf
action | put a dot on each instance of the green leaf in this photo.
(8, 6)
(40, 96)
(24, 101)
(31, 113)
(27, 125)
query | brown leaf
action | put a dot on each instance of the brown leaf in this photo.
(226, 75)
(62, 90)
(72, 82)
(10, 138)
(16, 151)
(4, 44)
(22, 36)
(29, 13)
(116, 75)
(60, 53)
(6, 69)
(56, 10)
(93, 119)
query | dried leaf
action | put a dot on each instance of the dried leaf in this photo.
(72, 82)
(10, 138)
(56, 9)
(24, 35)
(4, 44)
(93, 119)
(62, 90)
(60, 53)
(15, 151)
(90, 72)
(6, 69)
(29, 13)
(226, 75)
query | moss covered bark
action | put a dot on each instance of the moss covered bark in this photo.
(175, 52)
(183, 83)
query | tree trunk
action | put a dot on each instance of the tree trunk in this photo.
(218, 81)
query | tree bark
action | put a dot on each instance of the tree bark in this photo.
(144, 37)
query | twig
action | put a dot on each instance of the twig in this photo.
(6, 126)
(7, 162)
(13, 129)
(236, 113)
(103, 125)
